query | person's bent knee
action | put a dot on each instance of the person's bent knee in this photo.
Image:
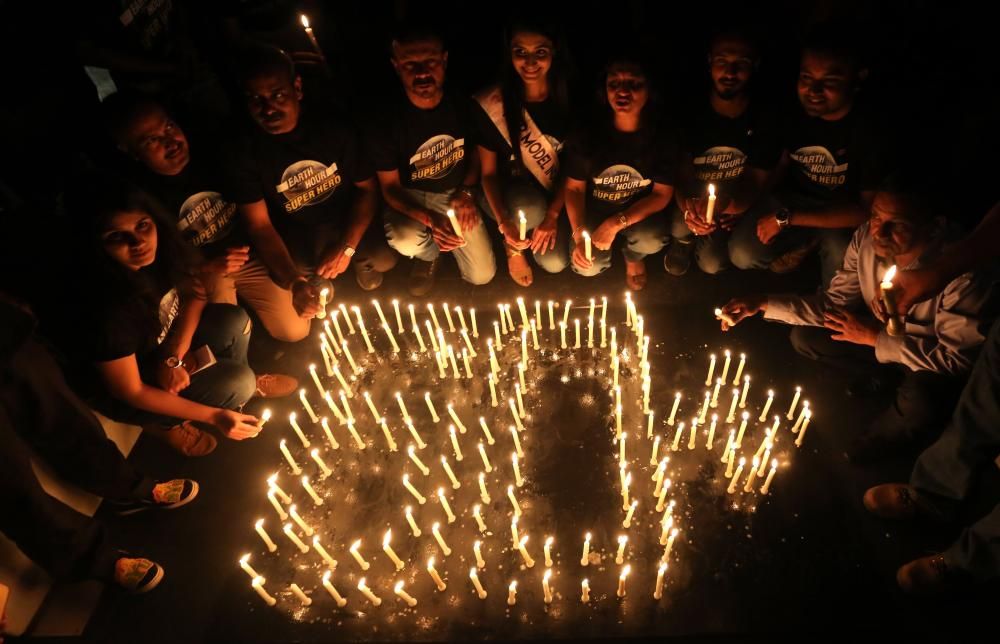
(226, 319)
(290, 328)
(480, 275)
(712, 265)
(552, 262)
(806, 340)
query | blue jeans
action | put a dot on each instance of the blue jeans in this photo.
(532, 200)
(647, 237)
(228, 384)
(747, 251)
(711, 252)
(945, 471)
(410, 238)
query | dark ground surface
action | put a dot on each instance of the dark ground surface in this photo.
(808, 561)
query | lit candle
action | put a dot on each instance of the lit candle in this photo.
(670, 544)
(673, 410)
(367, 592)
(732, 406)
(517, 470)
(364, 330)
(493, 390)
(434, 318)
(587, 250)
(658, 593)
(431, 336)
(751, 475)
(894, 326)
(562, 334)
(621, 580)
(746, 389)
(676, 445)
(315, 379)
(475, 582)
(715, 393)
(480, 562)
(436, 530)
(447, 316)
(357, 555)
(412, 490)
(628, 517)
(445, 505)
(259, 527)
(736, 477)
(347, 318)
(276, 505)
(441, 586)
(566, 308)
(704, 407)
(477, 515)
(710, 208)
(534, 334)
(392, 338)
(306, 406)
(301, 595)
(388, 436)
(766, 444)
(584, 591)
(350, 357)
(649, 425)
(802, 431)
(320, 463)
(294, 538)
(802, 415)
(512, 593)
(354, 434)
(486, 460)
(662, 499)
(329, 433)
(311, 491)
(528, 561)
(296, 470)
(694, 433)
(620, 556)
(347, 408)
(576, 324)
(475, 326)
(711, 432)
(454, 224)
(658, 477)
(524, 313)
(324, 294)
(743, 426)
(770, 475)
(483, 494)
(513, 500)
(328, 358)
(405, 596)
(546, 590)
(411, 452)
(514, 537)
(739, 368)
(387, 548)
(341, 602)
(454, 443)
(767, 405)
(795, 401)
(711, 370)
(621, 448)
(454, 365)
(585, 559)
(247, 568)
(517, 417)
(725, 365)
(413, 524)
(330, 561)
(258, 585)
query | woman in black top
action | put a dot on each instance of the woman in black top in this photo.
(147, 312)
(524, 122)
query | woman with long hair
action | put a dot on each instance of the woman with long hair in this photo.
(525, 121)
(620, 175)
(147, 326)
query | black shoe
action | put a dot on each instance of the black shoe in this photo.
(165, 495)
(422, 277)
(677, 259)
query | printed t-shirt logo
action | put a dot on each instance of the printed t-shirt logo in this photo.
(820, 167)
(307, 183)
(205, 217)
(720, 163)
(436, 157)
(170, 304)
(619, 183)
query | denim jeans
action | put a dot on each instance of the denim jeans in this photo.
(647, 237)
(711, 252)
(227, 384)
(945, 471)
(534, 203)
(410, 238)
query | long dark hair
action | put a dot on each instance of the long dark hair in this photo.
(512, 87)
(90, 203)
(649, 119)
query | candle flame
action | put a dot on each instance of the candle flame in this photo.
(305, 20)
(356, 545)
(626, 570)
(399, 586)
(245, 558)
(548, 573)
(711, 189)
(888, 277)
(387, 538)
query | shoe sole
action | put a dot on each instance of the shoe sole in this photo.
(153, 583)
(172, 506)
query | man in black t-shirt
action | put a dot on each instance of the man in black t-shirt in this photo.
(427, 167)
(834, 158)
(190, 185)
(726, 144)
(306, 192)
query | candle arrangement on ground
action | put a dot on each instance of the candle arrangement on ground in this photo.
(446, 460)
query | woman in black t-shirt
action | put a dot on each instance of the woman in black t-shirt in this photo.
(524, 122)
(143, 314)
(620, 176)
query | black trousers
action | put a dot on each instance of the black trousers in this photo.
(923, 401)
(38, 411)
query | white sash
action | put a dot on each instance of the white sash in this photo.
(537, 153)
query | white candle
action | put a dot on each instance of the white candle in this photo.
(387, 548)
(357, 555)
(710, 208)
(562, 334)
(546, 590)
(662, 499)
(320, 463)
(475, 582)
(354, 434)
(621, 448)
(445, 505)
(454, 223)
(330, 561)
(347, 408)
(523, 311)
(739, 368)
(517, 417)
(711, 370)
(517, 470)
(412, 490)
(431, 336)
(514, 537)
(402, 406)
(390, 443)
(475, 326)
(802, 431)
(711, 432)
(584, 591)
(512, 593)
(731, 416)
(620, 555)
(296, 470)
(367, 592)
(520, 400)
(347, 318)
(736, 477)
(477, 515)
(468, 343)
(676, 445)
(342, 381)
(476, 548)
(715, 393)
(576, 325)
(315, 379)
(324, 294)
(746, 389)
(258, 585)
(341, 602)
(371, 405)
(585, 559)
(621, 580)
(751, 475)
(436, 531)
(670, 545)
(381, 315)
(486, 431)
(795, 401)
(513, 500)
(725, 365)
(336, 326)
(276, 505)
(802, 415)
(521, 370)
(767, 405)
(434, 318)
(259, 527)
(673, 410)
(447, 316)
(765, 489)
(486, 461)
(328, 358)
(392, 338)
(493, 390)
(483, 494)
(350, 357)
(306, 405)
(441, 586)
(294, 538)
(537, 320)
(454, 443)
(743, 427)
(528, 561)
(534, 334)
(311, 491)
(411, 452)
(364, 330)
(694, 433)
(247, 568)
(329, 433)
(658, 593)
(587, 249)
(454, 364)
(414, 529)
(405, 596)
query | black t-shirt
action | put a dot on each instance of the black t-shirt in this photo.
(720, 148)
(114, 328)
(205, 217)
(832, 161)
(621, 167)
(550, 119)
(429, 148)
(306, 177)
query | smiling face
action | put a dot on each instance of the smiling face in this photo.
(129, 238)
(531, 55)
(730, 62)
(421, 67)
(626, 88)
(158, 143)
(827, 85)
(274, 100)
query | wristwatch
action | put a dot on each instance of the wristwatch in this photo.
(173, 362)
(468, 190)
(783, 216)
(623, 220)
(349, 251)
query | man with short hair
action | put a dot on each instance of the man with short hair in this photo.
(306, 192)
(728, 143)
(427, 167)
(834, 158)
(843, 327)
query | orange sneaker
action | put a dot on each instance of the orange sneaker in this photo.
(275, 385)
